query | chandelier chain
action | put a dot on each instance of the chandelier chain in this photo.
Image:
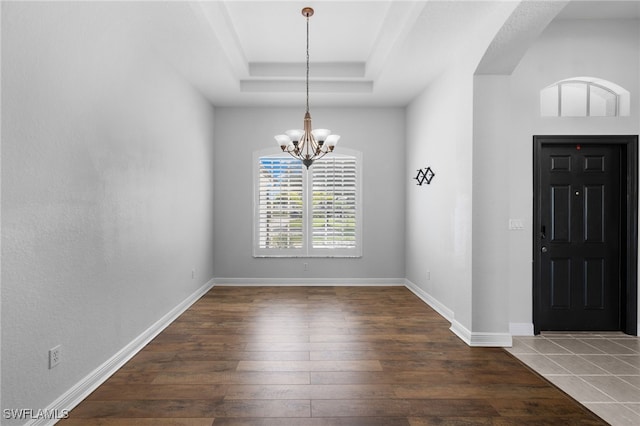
(308, 144)
(307, 63)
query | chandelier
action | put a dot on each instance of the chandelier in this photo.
(307, 145)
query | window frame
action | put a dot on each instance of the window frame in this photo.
(307, 249)
(554, 93)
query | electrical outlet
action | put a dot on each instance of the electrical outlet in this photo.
(306, 266)
(193, 274)
(428, 275)
(55, 356)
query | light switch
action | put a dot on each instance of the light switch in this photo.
(516, 225)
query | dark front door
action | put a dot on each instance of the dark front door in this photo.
(579, 237)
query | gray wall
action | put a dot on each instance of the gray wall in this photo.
(376, 132)
(110, 178)
(506, 116)
(491, 177)
(439, 217)
(604, 49)
(476, 132)
(107, 193)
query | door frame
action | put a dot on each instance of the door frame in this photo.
(629, 239)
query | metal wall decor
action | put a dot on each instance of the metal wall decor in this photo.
(424, 176)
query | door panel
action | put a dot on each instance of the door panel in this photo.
(579, 261)
(594, 213)
(560, 279)
(560, 213)
(595, 283)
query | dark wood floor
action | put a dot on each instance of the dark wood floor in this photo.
(321, 356)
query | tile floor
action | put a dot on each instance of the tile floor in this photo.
(600, 370)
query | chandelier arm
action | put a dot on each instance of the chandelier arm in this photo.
(295, 157)
(308, 146)
(320, 156)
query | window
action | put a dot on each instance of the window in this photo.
(584, 97)
(280, 203)
(314, 212)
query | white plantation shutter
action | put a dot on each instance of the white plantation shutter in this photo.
(314, 212)
(334, 203)
(280, 220)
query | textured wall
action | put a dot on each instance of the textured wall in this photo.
(376, 132)
(506, 116)
(439, 215)
(440, 134)
(107, 192)
(491, 180)
(608, 49)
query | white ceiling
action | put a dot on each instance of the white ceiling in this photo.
(362, 52)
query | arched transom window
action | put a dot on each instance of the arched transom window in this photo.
(584, 97)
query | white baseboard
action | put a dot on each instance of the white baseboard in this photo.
(470, 338)
(461, 331)
(486, 340)
(521, 328)
(430, 300)
(289, 282)
(84, 387)
(480, 339)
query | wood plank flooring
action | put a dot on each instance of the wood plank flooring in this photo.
(319, 356)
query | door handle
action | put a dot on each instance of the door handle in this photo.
(543, 232)
(544, 249)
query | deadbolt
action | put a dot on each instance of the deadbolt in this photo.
(544, 249)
